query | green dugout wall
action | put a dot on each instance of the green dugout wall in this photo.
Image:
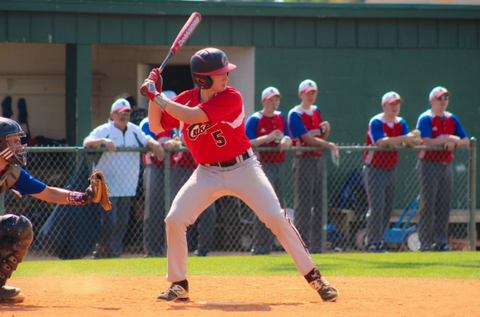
(355, 52)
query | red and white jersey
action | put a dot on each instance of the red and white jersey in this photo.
(434, 127)
(301, 121)
(221, 138)
(259, 125)
(379, 128)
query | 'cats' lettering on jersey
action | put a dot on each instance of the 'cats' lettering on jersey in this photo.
(194, 130)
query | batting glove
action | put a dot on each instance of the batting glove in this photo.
(152, 86)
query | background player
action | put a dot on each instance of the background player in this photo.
(380, 173)
(16, 233)
(268, 128)
(434, 170)
(212, 120)
(308, 129)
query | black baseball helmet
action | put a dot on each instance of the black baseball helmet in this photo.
(207, 62)
(13, 153)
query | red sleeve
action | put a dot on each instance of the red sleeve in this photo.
(225, 106)
(168, 122)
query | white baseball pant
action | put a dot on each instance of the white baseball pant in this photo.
(246, 181)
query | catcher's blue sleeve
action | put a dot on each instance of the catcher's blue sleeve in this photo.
(27, 184)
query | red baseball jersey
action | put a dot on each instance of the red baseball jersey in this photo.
(301, 121)
(435, 127)
(379, 128)
(221, 138)
(259, 125)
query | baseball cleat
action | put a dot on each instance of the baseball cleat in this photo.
(9, 294)
(326, 291)
(176, 291)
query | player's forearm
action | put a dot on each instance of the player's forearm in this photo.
(186, 114)
(93, 142)
(155, 118)
(53, 195)
(440, 141)
(259, 141)
(173, 143)
(391, 141)
(311, 140)
(325, 134)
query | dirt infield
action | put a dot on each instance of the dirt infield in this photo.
(243, 296)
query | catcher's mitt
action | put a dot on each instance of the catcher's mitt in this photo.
(99, 190)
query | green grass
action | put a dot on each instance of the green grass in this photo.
(458, 265)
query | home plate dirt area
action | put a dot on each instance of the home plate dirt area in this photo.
(243, 296)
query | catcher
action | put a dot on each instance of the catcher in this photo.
(16, 233)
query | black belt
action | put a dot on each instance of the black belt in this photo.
(235, 160)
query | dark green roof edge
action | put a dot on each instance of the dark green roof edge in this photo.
(246, 9)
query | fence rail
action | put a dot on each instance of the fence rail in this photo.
(72, 232)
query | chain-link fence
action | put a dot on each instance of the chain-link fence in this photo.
(328, 204)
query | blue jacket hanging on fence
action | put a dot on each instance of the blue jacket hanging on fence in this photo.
(71, 232)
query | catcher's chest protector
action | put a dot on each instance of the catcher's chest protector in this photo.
(9, 177)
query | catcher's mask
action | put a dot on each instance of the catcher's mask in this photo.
(11, 148)
(207, 62)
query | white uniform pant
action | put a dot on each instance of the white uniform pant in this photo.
(246, 181)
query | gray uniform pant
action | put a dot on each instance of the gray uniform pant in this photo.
(154, 215)
(307, 182)
(262, 236)
(114, 227)
(380, 186)
(435, 182)
(206, 221)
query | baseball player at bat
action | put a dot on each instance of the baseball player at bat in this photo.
(212, 119)
(16, 233)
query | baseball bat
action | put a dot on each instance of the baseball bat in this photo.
(182, 37)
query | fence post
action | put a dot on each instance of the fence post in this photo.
(324, 204)
(472, 189)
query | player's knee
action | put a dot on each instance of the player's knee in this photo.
(173, 220)
(273, 219)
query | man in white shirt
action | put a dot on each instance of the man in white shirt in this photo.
(121, 171)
